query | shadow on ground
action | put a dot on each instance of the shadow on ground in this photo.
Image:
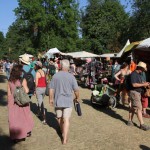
(143, 147)
(51, 119)
(3, 93)
(5, 142)
(108, 111)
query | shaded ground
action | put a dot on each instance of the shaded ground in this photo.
(98, 128)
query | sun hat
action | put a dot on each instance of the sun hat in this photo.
(38, 63)
(142, 64)
(25, 59)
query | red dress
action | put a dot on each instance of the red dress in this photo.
(20, 118)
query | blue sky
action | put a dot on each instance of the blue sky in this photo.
(7, 16)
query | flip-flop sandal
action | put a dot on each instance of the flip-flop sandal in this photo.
(29, 134)
(44, 122)
(38, 115)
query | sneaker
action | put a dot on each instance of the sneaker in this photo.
(130, 123)
(144, 127)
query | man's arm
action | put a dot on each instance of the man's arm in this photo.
(76, 92)
(51, 97)
(140, 84)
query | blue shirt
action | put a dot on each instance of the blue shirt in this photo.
(136, 78)
(26, 68)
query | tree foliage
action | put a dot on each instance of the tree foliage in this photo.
(2, 41)
(103, 25)
(44, 24)
(139, 20)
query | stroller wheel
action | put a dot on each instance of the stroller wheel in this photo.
(91, 100)
(112, 101)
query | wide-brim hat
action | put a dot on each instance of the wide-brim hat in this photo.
(25, 59)
(143, 65)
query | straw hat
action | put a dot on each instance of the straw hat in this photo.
(25, 59)
(143, 65)
(38, 63)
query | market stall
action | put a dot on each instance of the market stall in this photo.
(82, 54)
(142, 51)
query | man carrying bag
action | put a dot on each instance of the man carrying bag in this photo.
(62, 87)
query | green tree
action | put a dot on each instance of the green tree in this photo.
(2, 42)
(139, 20)
(50, 23)
(103, 25)
(18, 40)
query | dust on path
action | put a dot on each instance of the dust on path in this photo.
(100, 128)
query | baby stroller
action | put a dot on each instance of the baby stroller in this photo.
(103, 95)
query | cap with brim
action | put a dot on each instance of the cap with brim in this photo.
(25, 59)
(143, 65)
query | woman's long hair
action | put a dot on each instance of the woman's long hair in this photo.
(124, 65)
(16, 73)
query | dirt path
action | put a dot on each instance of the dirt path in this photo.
(100, 128)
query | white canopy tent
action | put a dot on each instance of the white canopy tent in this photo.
(82, 54)
(53, 51)
(108, 55)
(121, 52)
(116, 55)
(145, 44)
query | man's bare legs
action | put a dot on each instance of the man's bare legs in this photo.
(139, 115)
(64, 126)
(131, 113)
(60, 121)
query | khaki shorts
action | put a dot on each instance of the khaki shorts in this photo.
(135, 98)
(63, 112)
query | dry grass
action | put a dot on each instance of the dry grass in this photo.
(98, 128)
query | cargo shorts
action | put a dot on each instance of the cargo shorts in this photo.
(63, 112)
(135, 98)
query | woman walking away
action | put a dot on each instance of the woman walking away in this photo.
(40, 82)
(19, 117)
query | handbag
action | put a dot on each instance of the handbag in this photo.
(147, 92)
(77, 108)
(47, 90)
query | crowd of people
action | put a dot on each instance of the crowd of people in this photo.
(58, 75)
(35, 77)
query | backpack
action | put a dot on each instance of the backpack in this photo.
(20, 96)
(52, 69)
(30, 81)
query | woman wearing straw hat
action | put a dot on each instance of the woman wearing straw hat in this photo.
(26, 62)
